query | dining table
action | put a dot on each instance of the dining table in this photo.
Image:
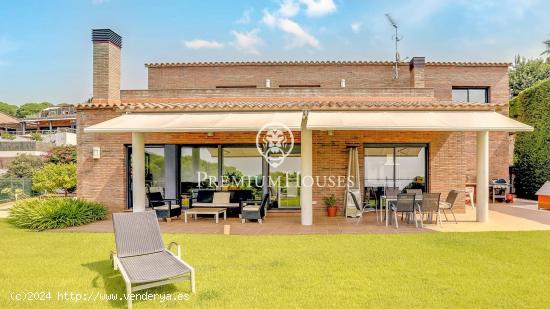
(385, 200)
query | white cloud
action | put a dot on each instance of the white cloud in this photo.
(289, 8)
(356, 27)
(245, 17)
(248, 42)
(298, 36)
(198, 44)
(318, 8)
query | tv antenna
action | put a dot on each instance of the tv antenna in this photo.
(397, 38)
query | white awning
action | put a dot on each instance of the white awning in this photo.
(197, 122)
(414, 121)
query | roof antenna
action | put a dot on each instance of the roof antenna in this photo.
(397, 38)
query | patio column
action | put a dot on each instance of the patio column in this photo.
(138, 172)
(306, 191)
(482, 188)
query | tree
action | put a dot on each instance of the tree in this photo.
(532, 149)
(8, 108)
(62, 155)
(53, 177)
(31, 108)
(547, 51)
(525, 73)
(24, 166)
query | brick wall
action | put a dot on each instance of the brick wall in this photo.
(106, 71)
(104, 179)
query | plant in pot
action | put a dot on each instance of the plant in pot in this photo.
(330, 203)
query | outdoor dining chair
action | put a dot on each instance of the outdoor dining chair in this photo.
(430, 205)
(361, 207)
(449, 204)
(405, 204)
(417, 192)
(141, 257)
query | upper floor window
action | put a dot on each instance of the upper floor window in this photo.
(471, 94)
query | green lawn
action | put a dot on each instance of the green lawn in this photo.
(405, 270)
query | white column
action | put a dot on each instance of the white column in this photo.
(482, 195)
(306, 189)
(138, 172)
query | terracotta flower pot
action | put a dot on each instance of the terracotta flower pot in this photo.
(331, 211)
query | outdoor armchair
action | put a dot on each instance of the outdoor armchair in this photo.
(164, 207)
(449, 204)
(405, 204)
(250, 210)
(141, 257)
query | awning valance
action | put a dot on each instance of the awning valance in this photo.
(414, 121)
(197, 122)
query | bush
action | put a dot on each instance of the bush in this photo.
(532, 149)
(62, 155)
(24, 166)
(55, 213)
(7, 135)
(53, 177)
(35, 136)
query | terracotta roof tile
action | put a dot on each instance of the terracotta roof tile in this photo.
(316, 62)
(289, 103)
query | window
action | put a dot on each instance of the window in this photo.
(285, 181)
(242, 169)
(198, 163)
(399, 166)
(471, 94)
(300, 86)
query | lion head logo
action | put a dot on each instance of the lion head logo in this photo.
(275, 142)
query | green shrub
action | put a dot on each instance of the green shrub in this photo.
(24, 166)
(35, 136)
(62, 155)
(55, 213)
(54, 177)
(7, 135)
(532, 149)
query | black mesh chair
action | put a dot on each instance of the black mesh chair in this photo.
(164, 207)
(405, 204)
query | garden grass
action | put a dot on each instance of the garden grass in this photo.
(424, 270)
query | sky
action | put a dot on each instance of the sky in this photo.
(45, 46)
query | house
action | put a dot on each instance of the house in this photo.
(438, 127)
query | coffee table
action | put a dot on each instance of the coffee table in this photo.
(206, 211)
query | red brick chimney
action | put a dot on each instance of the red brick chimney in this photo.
(106, 66)
(416, 66)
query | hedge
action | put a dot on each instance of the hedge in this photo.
(532, 149)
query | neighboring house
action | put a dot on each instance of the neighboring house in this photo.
(418, 131)
(56, 125)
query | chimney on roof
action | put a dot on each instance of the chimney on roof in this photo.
(416, 66)
(106, 65)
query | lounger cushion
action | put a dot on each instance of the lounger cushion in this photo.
(165, 207)
(251, 208)
(216, 205)
(153, 267)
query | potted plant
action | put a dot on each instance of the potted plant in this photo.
(330, 203)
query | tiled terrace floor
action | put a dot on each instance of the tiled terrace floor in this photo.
(521, 216)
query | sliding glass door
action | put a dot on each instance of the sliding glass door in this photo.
(402, 166)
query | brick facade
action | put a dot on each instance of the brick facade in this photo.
(451, 154)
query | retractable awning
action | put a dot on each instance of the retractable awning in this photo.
(414, 121)
(197, 122)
